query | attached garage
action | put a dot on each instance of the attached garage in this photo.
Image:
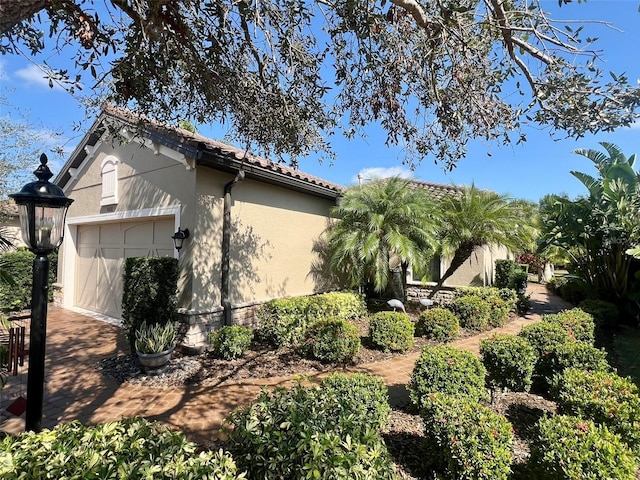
(101, 250)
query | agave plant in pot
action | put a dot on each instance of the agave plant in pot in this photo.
(155, 343)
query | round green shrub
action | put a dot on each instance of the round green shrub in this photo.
(605, 398)
(444, 369)
(543, 336)
(297, 432)
(573, 291)
(331, 340)
(581, 355)
(571, 447)
(391, 331)
(129, 448)
(509, 361)
(605, 314)
(343, 305)
(576, 322)
(230, 341)
(439, 324)
(498, 311)
(472, 312)
(466, 440)
(282, 322)
(359, 392)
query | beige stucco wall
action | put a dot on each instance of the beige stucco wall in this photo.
(479, 269)
(272, 240)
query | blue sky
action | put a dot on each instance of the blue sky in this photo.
(529, 171)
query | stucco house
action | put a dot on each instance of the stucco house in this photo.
(135, 186)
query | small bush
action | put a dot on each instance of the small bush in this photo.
(343, 305)
(573, 291)
(523, 304)
(443, 369)
(466, 440)
(577, 323)
(544, 336)
(605, 398)
(282, 322)
(307, 433)
(230, 341)
(438, 324)
(130, 448)
(555, 284)
(509, 361)
(573, 448)
(331, 340)
(19, 265)
(472, 312)
(359, 392)
(510, 275)
(391, 331)
(605, 314)
(149, 293)
(581, 355)
(498, 311)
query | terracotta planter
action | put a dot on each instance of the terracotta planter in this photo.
(154, 363)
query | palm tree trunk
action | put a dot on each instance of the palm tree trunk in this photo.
(462, 254)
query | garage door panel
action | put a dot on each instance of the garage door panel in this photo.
(101, 253)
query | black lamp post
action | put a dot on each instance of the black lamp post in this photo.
(42, 207)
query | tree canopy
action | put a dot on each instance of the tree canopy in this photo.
(287, 74)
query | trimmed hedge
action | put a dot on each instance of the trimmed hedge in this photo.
(509, 361)
(574, 448)
(605, 398)
(132, 448)
(19, 264)
(466, 440)
(230, 341)
(472, 312)
(510, 275)
(149, 293)
(444, 369)
(581, 355)
(439, 324)
(605, 314)
(506, 294)
(343, 305)
(310, 433)
(544, 336)
(391, 331)
(331, 340)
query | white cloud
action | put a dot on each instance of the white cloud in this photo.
(35, 75)
(382, 172)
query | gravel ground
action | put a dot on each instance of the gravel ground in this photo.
(404, 432)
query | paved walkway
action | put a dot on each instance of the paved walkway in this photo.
(74, 389)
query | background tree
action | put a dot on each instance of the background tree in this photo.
(599, 229)
(475, 218)
(283, 74)
(383, 221)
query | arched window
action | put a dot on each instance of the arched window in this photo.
(109, 174)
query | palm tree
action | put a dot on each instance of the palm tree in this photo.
(474, 218)
(386, 220)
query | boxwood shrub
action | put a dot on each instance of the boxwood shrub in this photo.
(506, 294)
(543, 336)
(576, 322)
(360, 392)
(331, 340)
(472, 312)
(444, 369)
(568, 447)
(466, 440)
(307, 433)
(282, 322)
(131, 448)
(509, 361)
(391, 331)
(439, 324)
(343, 305)
(605, 398)
(230, 341)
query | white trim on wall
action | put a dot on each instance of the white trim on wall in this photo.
(70, 244)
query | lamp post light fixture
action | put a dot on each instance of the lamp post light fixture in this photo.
(42, 207)
(179, 237)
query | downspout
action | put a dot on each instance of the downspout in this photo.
(226, 246)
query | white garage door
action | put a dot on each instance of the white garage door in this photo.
(101, 250)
